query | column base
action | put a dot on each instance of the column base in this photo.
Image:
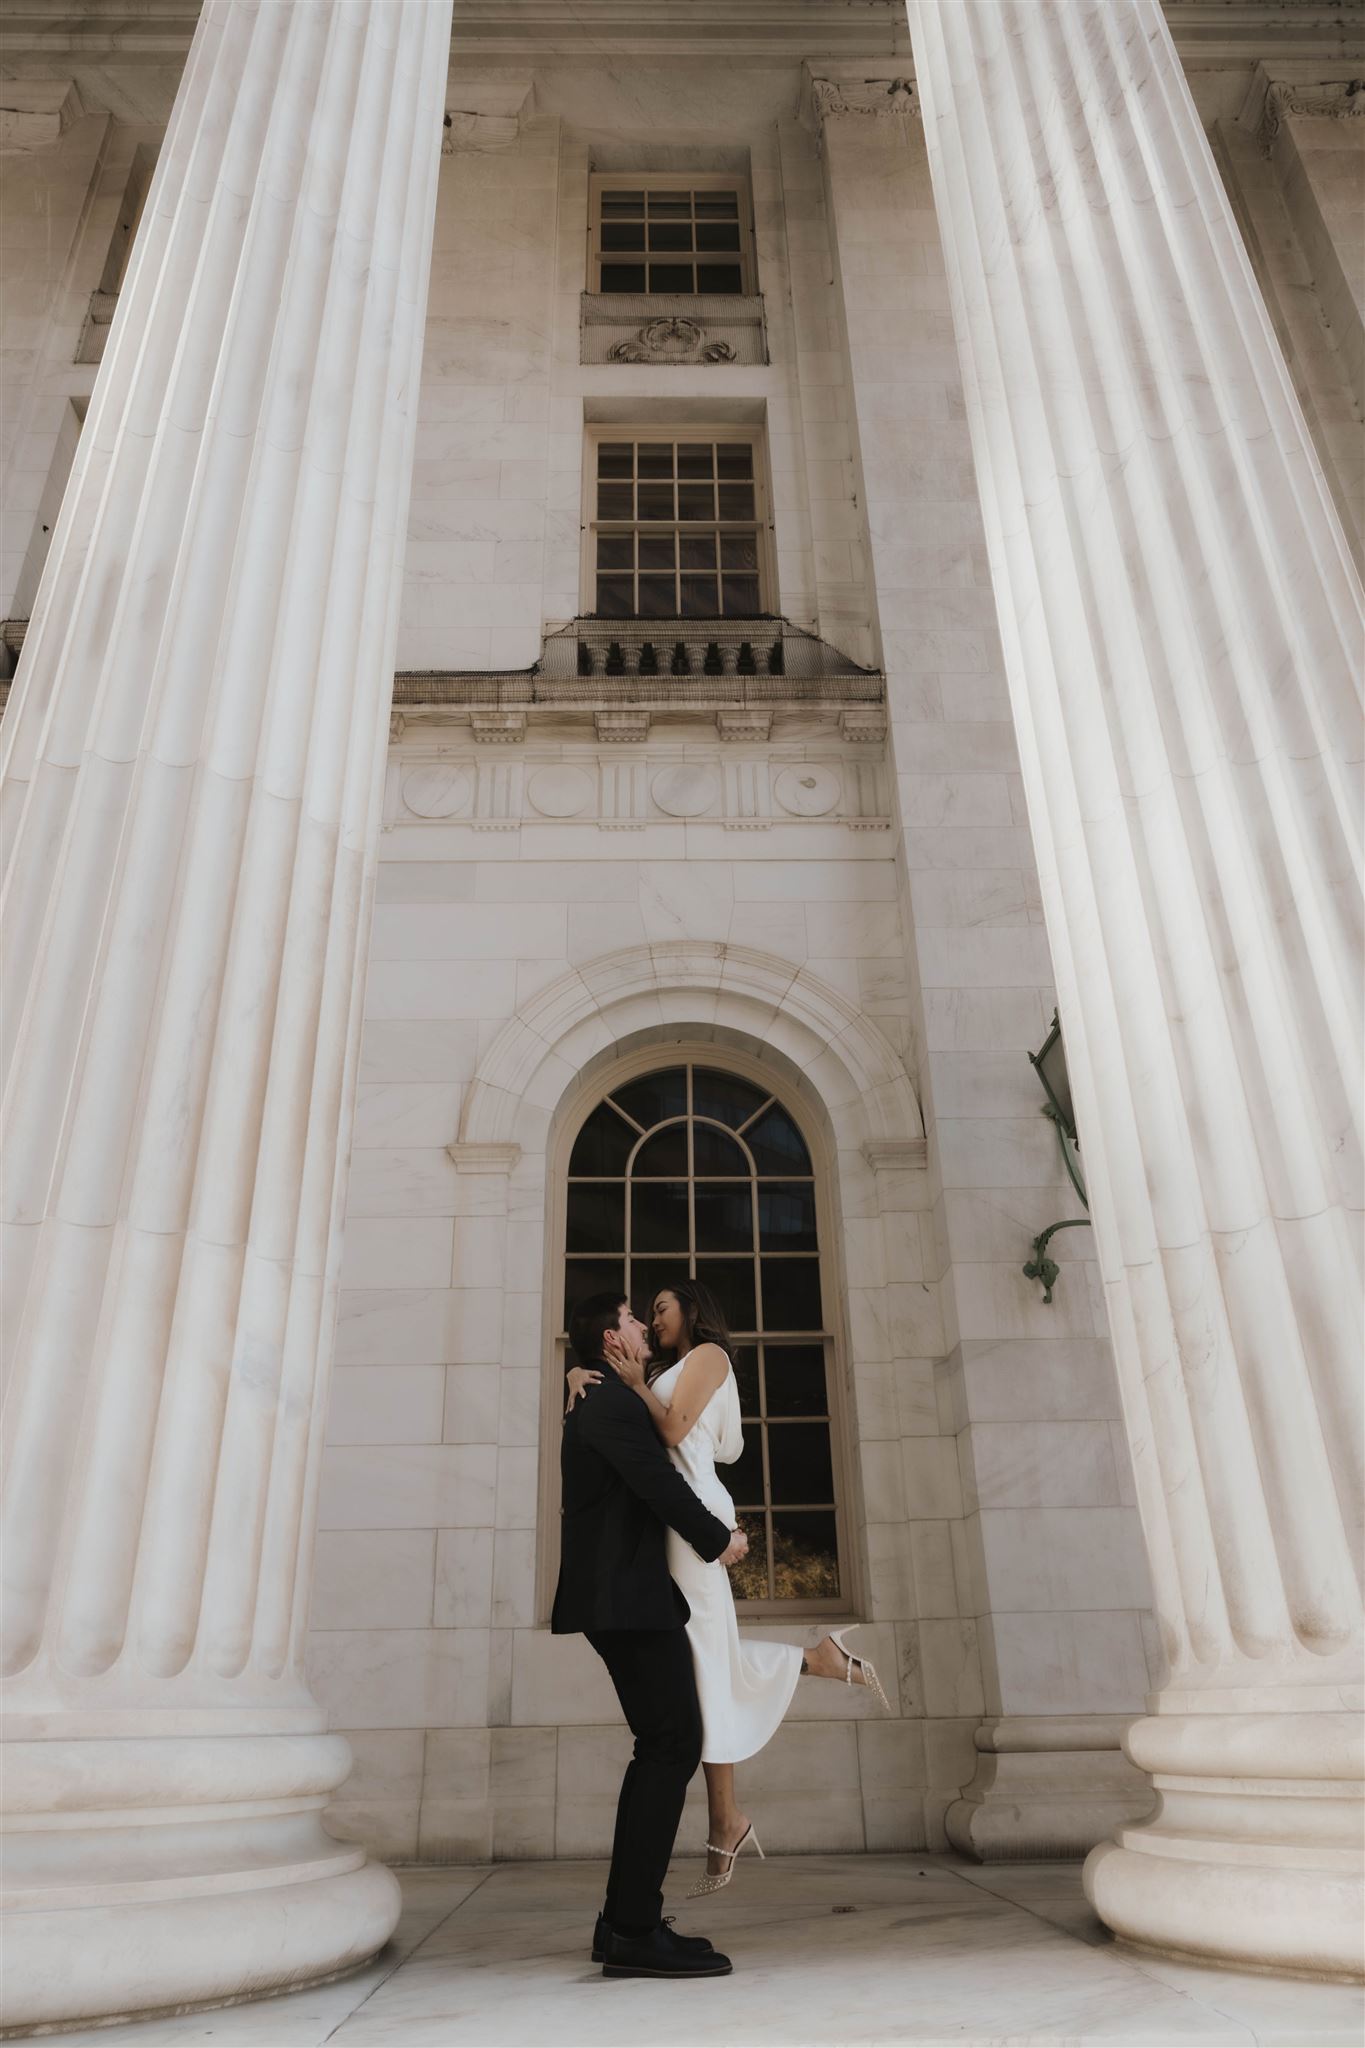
(150, 1876)
(1252, 1858)
(1047, 1786)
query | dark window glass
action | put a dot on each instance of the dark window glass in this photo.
(670, 277)
(697, 501)
(699, 597)
(777, 1145)
(603, 1145)
(794, 1379)
(710, 235)
(696, 459)
(786, 1216)
(654, 1097)
(667, 234)
(665, 1154)
(623, 277)
(615, 458)
(717, 206)
(597, 1217)
(614, 501)
(725, 1097)
(725, 1221)
(791, 1294)
(655, 501)
(658, 1216)
(735, 459)
(743, 1480)
(670, 205)
(736, 501)
(715, 277)
(658, 551)
(749, 1578)
(799, 1466)
(714, 1153)
(630, 234)
(647, 1276)
(622, 202)
(583, 1277)
(805, 1557)
(654, 458)
(745, 1363)
(658, 599)
(732, 1283)
(741, 597)
(615, 598)
(698, 550)
(739, 551)
(615, 551)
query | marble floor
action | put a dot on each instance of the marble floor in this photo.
(827, 1949)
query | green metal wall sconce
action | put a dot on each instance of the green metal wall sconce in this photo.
(1049, 1064)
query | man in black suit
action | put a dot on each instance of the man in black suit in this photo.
(619, 1492)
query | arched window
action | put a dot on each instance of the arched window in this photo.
(695, 1172)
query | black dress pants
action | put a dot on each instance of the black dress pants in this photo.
(655, 1683)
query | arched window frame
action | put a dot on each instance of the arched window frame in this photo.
(574, 1112)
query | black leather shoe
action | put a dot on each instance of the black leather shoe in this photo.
(658, 1954)
(690, 1944)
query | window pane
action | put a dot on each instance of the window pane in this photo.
(603, 1145)
(717, 206)
(656, 501)
(583, 1277)
(725, 1221)
(630, 234)
(699, 597)
(710, 235)
(696, 459)
(735, 458)
(698, 501)
(670, 277)
(615, 551)
(658, 598)
(732, 1283)
(736, 501)
(725, 1097)
(741, 597)
(698, 550)
(669, 234)
(794, 1379)
(659, 551)
(663, 1154)
(777, 1145)
(749, 1578)
(614, 501)
(805, 1557)
(615, 597)
(799, 1464)
(658, 1216)
(647, 1276)
(786, 1216)
(745, 1362)
(719, 277)
(654, 458)
(739, 551)
(622, 202)
(743, 1480)
(654, 1097)
(623, 277)
(596, 1217)
(791, 1294)
(670, 205)
(714, 1153)
(615, 458)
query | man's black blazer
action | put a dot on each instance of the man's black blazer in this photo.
(619, 1491)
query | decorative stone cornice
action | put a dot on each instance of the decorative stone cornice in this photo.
(473, 1157)
(897, 1155)
(35, 113)
(865, 723)
(623, 726)
(751, 725)
(498, 728)
(486, 111)
(1333, 99)
(881, 99)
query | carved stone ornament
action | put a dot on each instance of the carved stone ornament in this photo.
(671, 341)
(881, 98)
(1334, 99)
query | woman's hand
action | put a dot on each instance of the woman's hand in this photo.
(579, 1382)
(627, 1369)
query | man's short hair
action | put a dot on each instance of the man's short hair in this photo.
(588, 1325)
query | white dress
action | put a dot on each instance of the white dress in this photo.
(744, 1687)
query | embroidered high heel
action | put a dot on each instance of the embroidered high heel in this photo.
(869, 1671)
(717, 1883)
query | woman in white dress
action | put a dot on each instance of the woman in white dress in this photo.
(744, 1687)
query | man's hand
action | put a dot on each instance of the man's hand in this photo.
(737, 1548)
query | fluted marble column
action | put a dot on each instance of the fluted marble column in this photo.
(194, 761)
(1181, 628)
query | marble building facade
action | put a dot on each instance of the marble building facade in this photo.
(317, 977)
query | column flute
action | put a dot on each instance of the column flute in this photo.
(192, 773)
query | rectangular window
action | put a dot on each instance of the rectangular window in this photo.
(675, 526)
(682, 233)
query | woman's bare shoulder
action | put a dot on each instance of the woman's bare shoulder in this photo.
(710, 1360)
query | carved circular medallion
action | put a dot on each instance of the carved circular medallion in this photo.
(807, 792)
(438, 789)
(684, 791)
(560, 792)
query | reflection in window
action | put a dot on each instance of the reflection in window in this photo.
(693, 1172)
(675, 530)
